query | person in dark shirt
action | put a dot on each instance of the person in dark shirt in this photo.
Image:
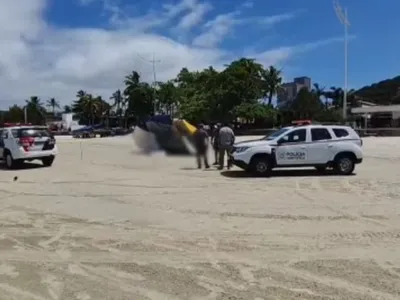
(201, 140)
(214, 141)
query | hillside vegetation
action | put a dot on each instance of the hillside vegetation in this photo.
(383, 93)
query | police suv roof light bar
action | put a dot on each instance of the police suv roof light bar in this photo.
(15, 124)
(301, 122)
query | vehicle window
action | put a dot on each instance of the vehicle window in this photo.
(340, 132)
(14, 132)
(296, 136)
(319, 134)
(275, 134)
(32, 132)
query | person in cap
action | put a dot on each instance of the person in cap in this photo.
(226, 139)
(201, 140)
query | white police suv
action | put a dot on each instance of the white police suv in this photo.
(19, 143)
(319, 146)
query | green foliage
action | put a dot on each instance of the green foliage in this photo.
(90, 109)
(53, 104)
(243, 91)
(383, 93)
(271, 82)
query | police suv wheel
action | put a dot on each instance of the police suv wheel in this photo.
(9, 161)
(344, 165)
(48, 161)
(260, 166)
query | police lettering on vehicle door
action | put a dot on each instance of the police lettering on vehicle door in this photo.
(295, 155)
(292, 149)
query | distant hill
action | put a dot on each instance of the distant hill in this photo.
(382, 93)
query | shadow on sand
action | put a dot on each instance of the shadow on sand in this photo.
(282, 173)
(24, 166)
(212, 168)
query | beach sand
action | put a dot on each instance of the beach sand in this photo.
(106, 223)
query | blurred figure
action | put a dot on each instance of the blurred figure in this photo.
(226, 139)
(201, 141)
(215, 141)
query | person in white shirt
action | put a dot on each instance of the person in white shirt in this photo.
(226, 139)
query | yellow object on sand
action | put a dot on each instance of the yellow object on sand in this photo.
(192, 129)
(184, 127)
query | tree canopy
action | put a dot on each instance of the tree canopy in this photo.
(243, 91)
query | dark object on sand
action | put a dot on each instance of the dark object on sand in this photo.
(161, 132)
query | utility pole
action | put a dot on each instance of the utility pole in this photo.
(343, 19)
(26, 114)
(153, 62)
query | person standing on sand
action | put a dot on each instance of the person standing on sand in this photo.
(201, 141)
(215, 141)
(226, 139)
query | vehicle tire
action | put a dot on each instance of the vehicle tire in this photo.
(9, 161)
(344, 165)
(260, 166)
(48, 161)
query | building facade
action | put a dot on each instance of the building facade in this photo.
(290, 90)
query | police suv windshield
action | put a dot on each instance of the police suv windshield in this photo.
(275, 134)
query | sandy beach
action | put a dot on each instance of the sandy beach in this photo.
(107, 223)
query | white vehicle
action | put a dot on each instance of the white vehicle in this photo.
(319, 146)
(19, 143)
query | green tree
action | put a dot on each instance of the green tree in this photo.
(209, 95)
(336, 95)
(272, 83)
(102, 110)
(306, 105)
(86, 107)
(140, 96)
(35, 110)
(53, 104)
(320, 93)
(15, 114)
(256, 113)
(167, 96)
(67, 109)
(118, 103)
(197, 94)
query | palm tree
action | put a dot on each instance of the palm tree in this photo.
(86, 106)
(34, 101)
(80, 94)
(90, 106)
(36, 109)
(103, 109)
(53, 103)
(320, 92)
(272, 82)
(118, 103)
(131, 82)
(336, 94)
(139, 96)
(167, 96)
